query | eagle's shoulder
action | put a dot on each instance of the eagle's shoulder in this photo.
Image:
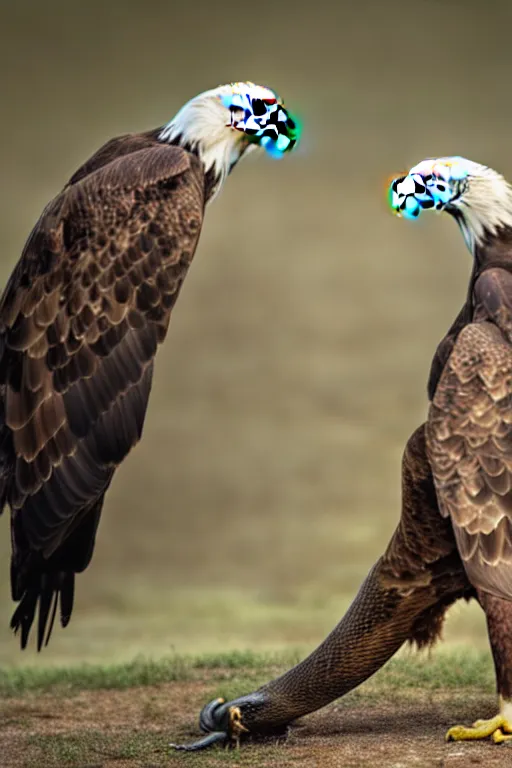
(126, 145)
(123, 168)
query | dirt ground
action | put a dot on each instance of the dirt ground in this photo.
(132, 728)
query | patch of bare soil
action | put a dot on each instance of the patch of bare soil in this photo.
(132, 728)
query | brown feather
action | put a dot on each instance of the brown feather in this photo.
(469, 436)
(80, 322)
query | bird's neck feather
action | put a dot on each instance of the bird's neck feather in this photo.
(494, 248)
(200, 127)
(485, 215)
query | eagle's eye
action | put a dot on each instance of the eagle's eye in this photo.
(258, 107)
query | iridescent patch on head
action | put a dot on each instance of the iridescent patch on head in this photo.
(258, 113)
(433, 183)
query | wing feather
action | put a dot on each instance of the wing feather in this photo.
(469, 437)
(80, 322)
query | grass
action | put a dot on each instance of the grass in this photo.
(98, 715)
(454, 668)
(141, 671)
(94, 749)
(58, 749)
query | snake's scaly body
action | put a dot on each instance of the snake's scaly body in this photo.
(403, 598)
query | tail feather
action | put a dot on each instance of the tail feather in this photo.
(45, 603)
(67, 596)
(47, 589)
(48, 583)
(24, 615)
(52, 619)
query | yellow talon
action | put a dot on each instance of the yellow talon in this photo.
(499, 737)
(496, 727)
(236, 727)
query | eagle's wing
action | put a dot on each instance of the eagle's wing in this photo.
(80, 321)
(469, 436)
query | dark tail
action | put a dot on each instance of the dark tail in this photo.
(47, 585)
(49, 590)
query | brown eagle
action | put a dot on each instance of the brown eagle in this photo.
(454, 537)
(81, 319)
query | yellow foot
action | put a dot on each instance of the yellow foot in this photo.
(499, 728)
(236, 727)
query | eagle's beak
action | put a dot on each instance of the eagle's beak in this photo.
(394, 202)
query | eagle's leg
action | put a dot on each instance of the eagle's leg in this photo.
(499, 625)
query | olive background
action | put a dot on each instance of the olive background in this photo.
(268, 479)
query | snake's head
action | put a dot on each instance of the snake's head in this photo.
(225, 717)
(229, 722)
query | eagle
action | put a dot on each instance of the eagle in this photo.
(82, 317)
(454, 536)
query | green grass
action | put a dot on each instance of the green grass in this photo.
(443, 669)
(454, 668)
(140, 671)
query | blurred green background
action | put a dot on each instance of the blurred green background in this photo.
(268, 479)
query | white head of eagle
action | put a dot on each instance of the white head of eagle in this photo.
(478, 197)
(224, 123)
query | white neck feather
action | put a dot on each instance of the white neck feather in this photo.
(202, 126)
(486, 206)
